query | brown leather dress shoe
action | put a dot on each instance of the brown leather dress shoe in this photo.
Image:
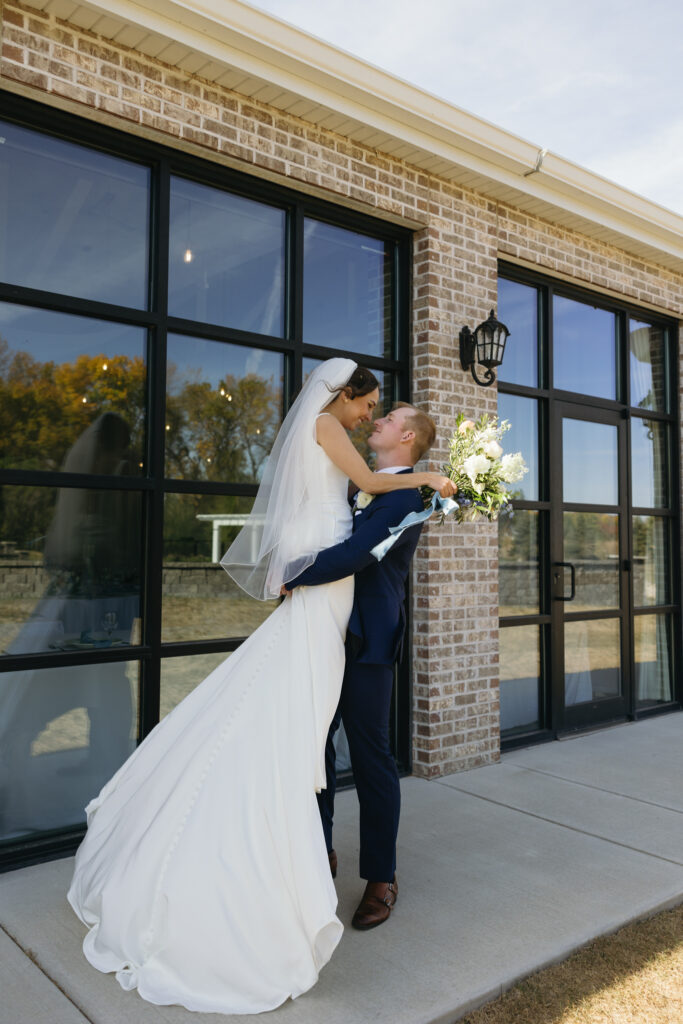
(375, 907)
(332, 856)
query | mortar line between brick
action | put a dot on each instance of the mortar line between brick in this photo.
(562, 824)
(34, 960)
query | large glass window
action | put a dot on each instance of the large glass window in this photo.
(518, 583)
(520, 674)
(649, 366)
(226, 259)
(587, 560)
(522, 416)
(590, 463)
(347, 289)
(71, 567)
(200, 600)
(64, 731)
(650, 463)
(584, 336)
(73, 393)
(139, 400)
(520, 302)
(654, 659)
(74, 220)
(223, 409)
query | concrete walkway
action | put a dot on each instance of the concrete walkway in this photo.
(502, 871)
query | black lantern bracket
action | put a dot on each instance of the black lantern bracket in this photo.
(484, 345)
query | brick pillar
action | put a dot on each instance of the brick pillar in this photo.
(455, 613)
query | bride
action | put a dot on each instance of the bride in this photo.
(203, 877)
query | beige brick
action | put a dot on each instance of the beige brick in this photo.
(26, 75)
(13, 53)
(113, 106)
(11, 16)
(74, 92)
(98, 50)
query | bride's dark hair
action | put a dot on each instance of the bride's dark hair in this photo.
(361, 382)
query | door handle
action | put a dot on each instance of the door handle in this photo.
(572, 570)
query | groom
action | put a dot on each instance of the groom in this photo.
(373, 642)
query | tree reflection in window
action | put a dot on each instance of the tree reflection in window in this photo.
(45, 405)
(223, 431)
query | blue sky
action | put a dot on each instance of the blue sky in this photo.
(595, 81)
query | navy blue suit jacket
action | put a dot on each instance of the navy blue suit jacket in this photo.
(377, 620)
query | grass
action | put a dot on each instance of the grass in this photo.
(632, 977)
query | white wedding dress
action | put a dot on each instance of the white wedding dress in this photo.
(203, 877)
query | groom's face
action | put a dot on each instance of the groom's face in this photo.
(390, 430)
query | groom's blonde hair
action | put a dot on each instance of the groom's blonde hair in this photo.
(423, 427)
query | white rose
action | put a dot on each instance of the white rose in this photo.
(473, 466)
(493, 450)
(512, 468)
(363, 499)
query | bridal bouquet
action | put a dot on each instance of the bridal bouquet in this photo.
(480, 468)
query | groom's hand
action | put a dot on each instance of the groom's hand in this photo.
(283, 591)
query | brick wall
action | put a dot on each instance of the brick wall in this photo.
(456, 705)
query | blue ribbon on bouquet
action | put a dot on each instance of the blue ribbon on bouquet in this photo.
(437, 504)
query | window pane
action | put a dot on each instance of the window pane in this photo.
(518, 310)
(653, 645)
(649, 366)
(522, 437)
(223, 409)
(200, 601)
(651, 561)
(72, 393)
(518, 563)
(589, 462)
(592, 662)
(75, 220)
(179, 676)
(69, 569)
(591, 544)
(649, 463)
(226, 259)
(347, 290)
(63, 734)
(584, 348)
(520, 670)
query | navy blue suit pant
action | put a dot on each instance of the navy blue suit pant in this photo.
(364, 709)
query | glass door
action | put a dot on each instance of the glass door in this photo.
(589, 568)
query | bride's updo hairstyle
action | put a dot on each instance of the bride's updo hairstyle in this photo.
(361, 382)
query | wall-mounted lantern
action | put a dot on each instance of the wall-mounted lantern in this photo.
(484, 345)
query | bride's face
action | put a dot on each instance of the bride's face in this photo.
(358, 410)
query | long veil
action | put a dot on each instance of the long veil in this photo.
(274, 545)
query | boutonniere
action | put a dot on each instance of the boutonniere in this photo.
(363, 499)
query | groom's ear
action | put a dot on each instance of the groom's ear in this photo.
(407, 437)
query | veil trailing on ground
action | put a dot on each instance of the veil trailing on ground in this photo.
(272, 547)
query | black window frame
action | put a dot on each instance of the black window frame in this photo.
(546, 396)
(165, 162)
